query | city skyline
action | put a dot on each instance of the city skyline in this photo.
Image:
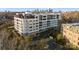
(31, 9)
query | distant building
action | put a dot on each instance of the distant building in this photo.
(28, 22)
(71, 33)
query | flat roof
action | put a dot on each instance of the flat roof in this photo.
(73, 27)
(30, 14)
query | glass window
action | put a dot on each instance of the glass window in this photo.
(36, 16)
(33, 23)
(54, 16)
(30, 20)
(36, 20)
(30, 24)
(49, 16)
(40, 17)
(78, 38)
(44, 19)
(36, 28)
(30, 27)
(78, 43)
(17, 19)
(33, 29)
(36, 25)
(57, 16)
(33, 20)
(44, 16)
(30, 30)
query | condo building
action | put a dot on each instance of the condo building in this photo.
(28, 22)
(71, 34)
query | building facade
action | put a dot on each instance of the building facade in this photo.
(71, 34)
(28, 22)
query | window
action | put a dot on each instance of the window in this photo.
(44, 19)
(30, 27)
(17, 19)
(33, 20)
(33, 23)
(36, 16)
(17, 23)
(26, 29)
(54, 16)
(78, 38)
(57, 16)
(78, 43)
(30, 21)
(64, 31)
(50, 16)
(30, 24)
(40, 17)
(36, 25)
(30, 30)
(40, 27)
(1, 47)
(44, 16)
(36, 20)
(33, 29)
(40, 24)
(36, 28)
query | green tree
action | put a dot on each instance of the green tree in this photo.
(60, 38)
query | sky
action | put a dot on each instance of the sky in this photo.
(30, 9)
